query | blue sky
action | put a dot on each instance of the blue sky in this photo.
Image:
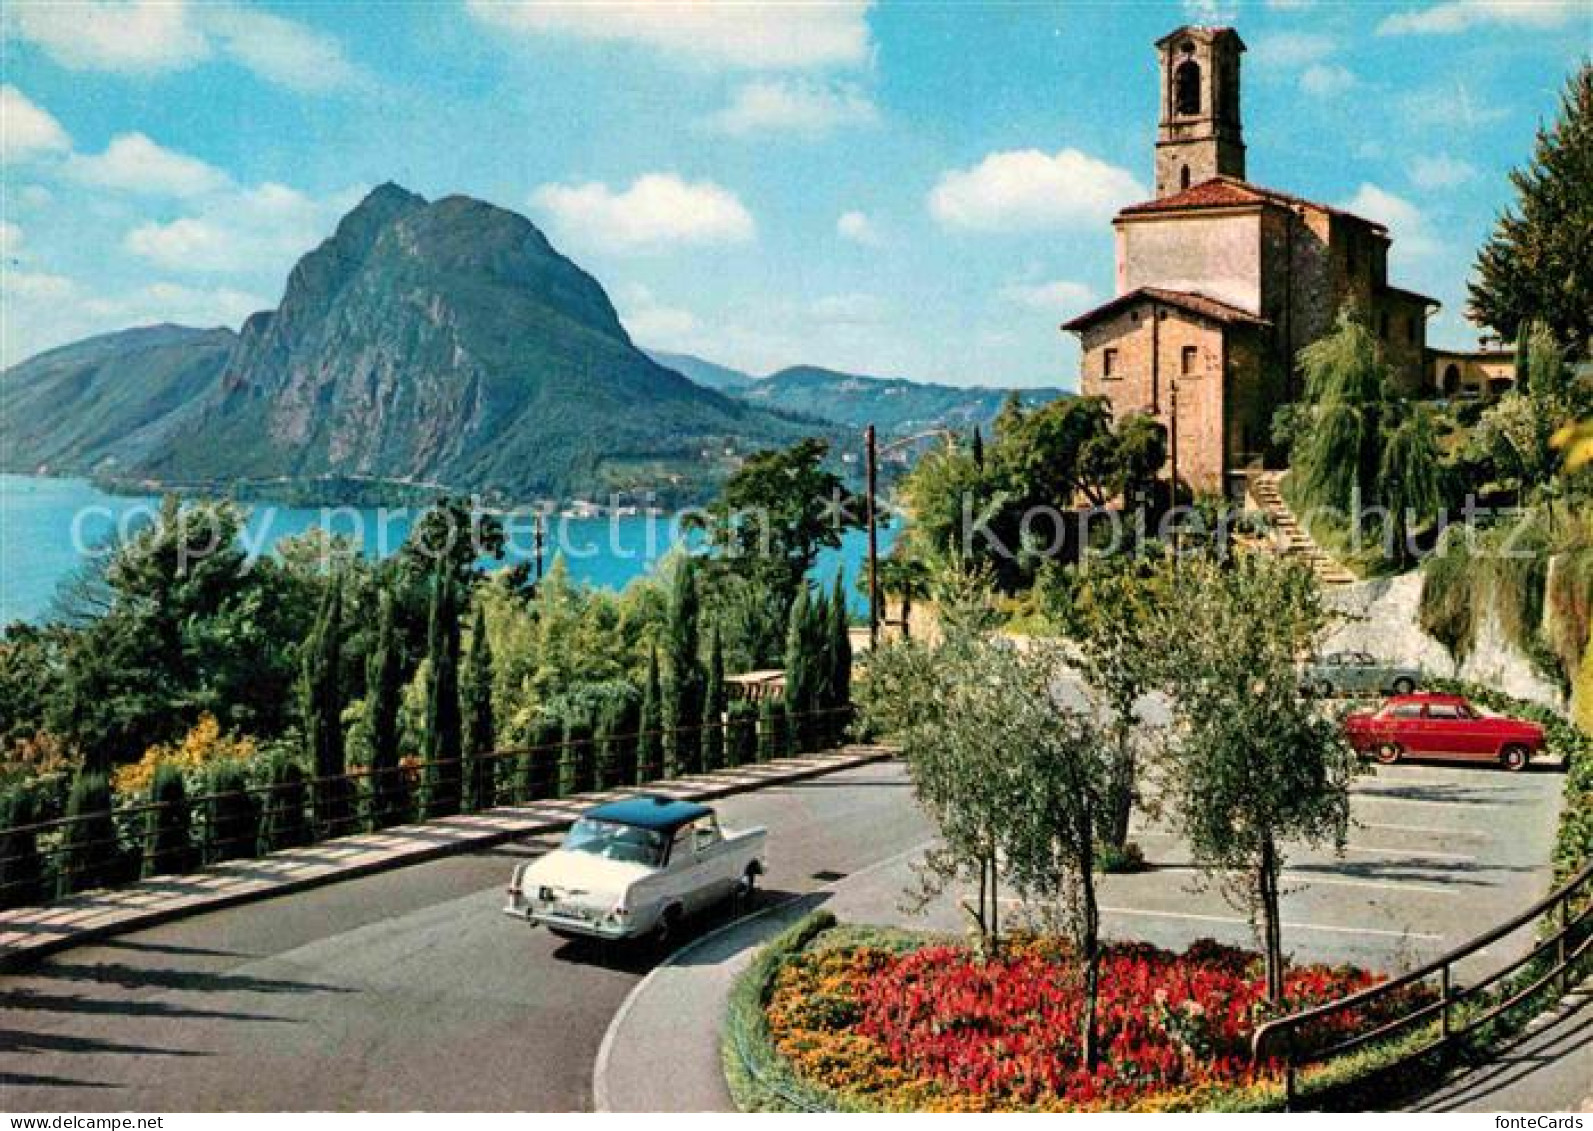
(907, 188)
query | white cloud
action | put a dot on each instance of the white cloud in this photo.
(261, 231)
(1211, 12)
(1440, 171)
(723, 33)
(793, 106)
(1324, 80)
(27, 129)
(155, 36)
(1463, 15)
(135, 163)
(858, 309)
(1057, 297)
(658, 210)
(859, 229)
(655, 323)
(1413, 236)
(37, 285)
(1290, 49)
(10, 239)
(1027, 189)
(280, 50)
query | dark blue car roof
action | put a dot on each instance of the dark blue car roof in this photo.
(649, 811)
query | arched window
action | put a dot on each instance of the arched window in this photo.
(1186, 88)
(1451, 379)
(1183, 177)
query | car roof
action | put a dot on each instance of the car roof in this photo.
(1425, 697)
(649, 811)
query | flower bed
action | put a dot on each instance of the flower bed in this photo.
(936, 1028)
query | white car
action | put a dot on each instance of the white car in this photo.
(635, 868)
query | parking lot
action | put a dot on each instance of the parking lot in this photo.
(1436, 855)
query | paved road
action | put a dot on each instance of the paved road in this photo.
(409, 991)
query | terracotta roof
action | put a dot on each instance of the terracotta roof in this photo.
(1402, 292)
(1231, 192)
(1192, 301)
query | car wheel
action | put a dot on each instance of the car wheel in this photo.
(1388, 753)
(1404, 685)
(1324, 689)
(746, 889)
(1513, 757)
(668, 927)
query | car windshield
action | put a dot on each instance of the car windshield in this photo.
(616, 842)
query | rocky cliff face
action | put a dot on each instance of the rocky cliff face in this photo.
(1383, 620)
(449, 343)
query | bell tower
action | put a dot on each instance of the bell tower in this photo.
(1200, 135)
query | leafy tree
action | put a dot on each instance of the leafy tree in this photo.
(577, 759)
(649, 738)
(233, 815)
(444, 743)
(1338, 429)
(323, 714)
(777, 510)
(904, 576)
(1409, 480)
(1536, 264)
(1517, 432)
(683, 689)
(91, 854)
(21, 866)
(1255, 765)
(1114, 618)
(383, 693)
(168, 828)
(480, 738)
(715, 703)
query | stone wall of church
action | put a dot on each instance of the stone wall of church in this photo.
(1146, 359)
(1217, 256)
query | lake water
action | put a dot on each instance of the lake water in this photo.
(49, 526)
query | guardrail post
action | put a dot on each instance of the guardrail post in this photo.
(1561, 973)
(1446, 992)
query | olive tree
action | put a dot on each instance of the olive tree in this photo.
(1253, 765)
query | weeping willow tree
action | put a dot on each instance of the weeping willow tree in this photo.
(1408, 480)
(1339, 438)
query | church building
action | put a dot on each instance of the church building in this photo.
(1220, 282)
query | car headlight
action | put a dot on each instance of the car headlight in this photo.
(545, 894)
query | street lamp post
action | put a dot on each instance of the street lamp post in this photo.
(869, 472)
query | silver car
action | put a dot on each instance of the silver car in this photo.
(1357, 673)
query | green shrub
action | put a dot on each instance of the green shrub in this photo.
(538, 764)
(21, 866)
(577, 757)
(743, 745)
(168, 829)
(91, 853)
(1118, 861)
(234, 816)
(285, 823)
(768, 730)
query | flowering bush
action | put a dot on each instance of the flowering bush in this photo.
(203, 747)
(940, 1029)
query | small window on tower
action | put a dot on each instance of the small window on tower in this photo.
(1109, 363)
(1186, 361)
(1183, 177)
(1186, 88)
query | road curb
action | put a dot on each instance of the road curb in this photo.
(17, 957)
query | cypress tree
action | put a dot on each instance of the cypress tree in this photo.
(383, 693)
(444, 743)
(840, 657)
(168, 829)
(978, 449)
(234, 815)
(284, 824)
(804, 674)
(768, 731)
(323, 713)
(649, 742)
(480, 736)
(91, 853)
(743, 744)
(714, 706)
(683, 693)
(21, 866)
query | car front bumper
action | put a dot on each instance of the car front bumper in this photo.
(605, 928)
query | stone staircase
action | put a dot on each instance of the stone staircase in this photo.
(1291, 539)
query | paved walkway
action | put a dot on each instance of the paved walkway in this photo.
(1549, 1069)
(31, 932)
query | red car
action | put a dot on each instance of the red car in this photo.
(1430, 725)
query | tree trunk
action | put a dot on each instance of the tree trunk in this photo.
(1271, 927)
(1090, 948)
(1120, 795)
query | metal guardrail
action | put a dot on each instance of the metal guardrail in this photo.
(120, 845)
(1457, 1010)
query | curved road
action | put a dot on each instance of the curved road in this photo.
(409, 990)
(401, 991)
